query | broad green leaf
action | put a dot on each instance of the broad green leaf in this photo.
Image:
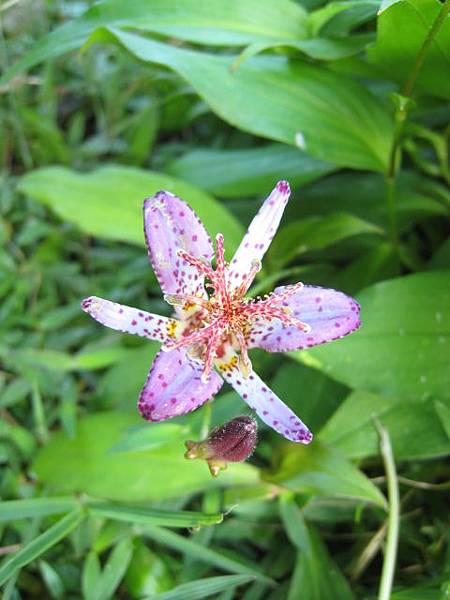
(316, 574)
(415, 427)
(123, 382)
(403, 347)
(402, 29)
(149, 435)
(10, 510)
(322, 471)
(280, 99)
(240, 173)
(155, 474)
(204, 588)
(107, 202)
(40, 544)
(210, 22)
(152, 516)
(316, 233)
(202, 553)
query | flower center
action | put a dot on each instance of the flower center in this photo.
(225, 318)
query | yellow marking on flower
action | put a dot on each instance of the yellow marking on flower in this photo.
(171, 328)
(229, 366)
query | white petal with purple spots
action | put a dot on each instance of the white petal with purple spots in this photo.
(329, 313)
(260, 233)
(174, 387)
(266, 403)
(129, 320)
(171, 225)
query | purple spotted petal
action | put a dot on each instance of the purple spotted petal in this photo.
(174, 387)
(267, 405)
(171, 225)
(331, 315)
(260, 233)
(129, 320)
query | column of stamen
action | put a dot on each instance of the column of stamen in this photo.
(193, 338)
(181, 299)
(220, 279)
(244, 361)
(198, 263)
(248, 279)
(211, 346)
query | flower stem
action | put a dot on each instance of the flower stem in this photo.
(393, 521)
(400, 117)
(434, 29)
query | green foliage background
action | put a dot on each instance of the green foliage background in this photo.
(102, 105)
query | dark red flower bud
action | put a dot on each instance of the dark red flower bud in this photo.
(232, 442)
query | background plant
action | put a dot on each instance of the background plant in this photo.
(216, 101)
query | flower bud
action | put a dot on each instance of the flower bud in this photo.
(232, 442)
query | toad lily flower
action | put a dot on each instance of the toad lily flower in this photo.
(215, 322)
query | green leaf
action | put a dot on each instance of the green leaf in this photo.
(322, 471)
(10, 510)
(248, 172)
(402, 29)
(403, 347)
(418, 593)
(152, 516)
(204, 588)
(210, 22)
(40, 544)
(107, 202)
(149, 435)
(316, 573)
(90, 575)
(280, 99)
(114, 570)
(316, 233)
(202, 553)
(415, 427)
(155, 474)
(339, 18)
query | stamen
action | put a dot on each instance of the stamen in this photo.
(201, 264)
(181, 299)
(244, 362)
(248, 279)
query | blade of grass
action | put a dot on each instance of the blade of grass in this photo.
(152, 516)
(11, 510)
(204, 588)
(39, 545)
(194, 550)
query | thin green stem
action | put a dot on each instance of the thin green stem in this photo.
(401, 115)
(393, 520)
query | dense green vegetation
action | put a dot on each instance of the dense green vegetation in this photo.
(216, 100)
